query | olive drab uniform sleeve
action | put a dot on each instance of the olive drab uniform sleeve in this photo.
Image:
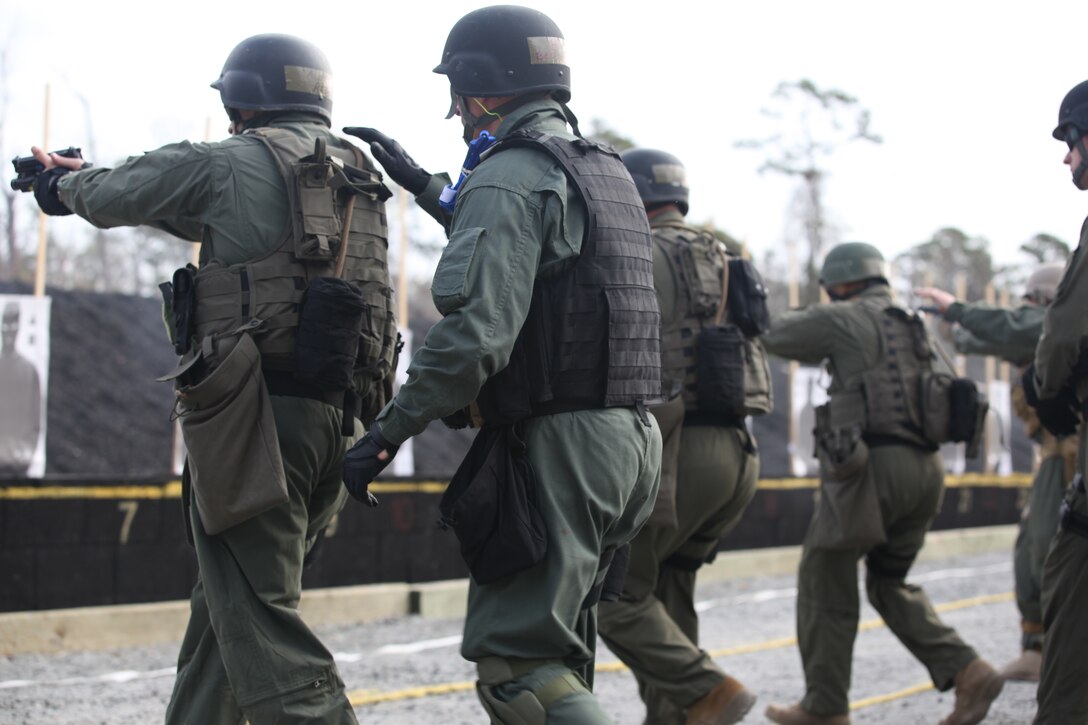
(808, 335)
(1009, 333)
(1065, 329)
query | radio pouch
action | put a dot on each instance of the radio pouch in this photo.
(748, 298)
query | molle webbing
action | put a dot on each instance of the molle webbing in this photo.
(270, 288)
(678, 351)
(592, 334)
(892, 388)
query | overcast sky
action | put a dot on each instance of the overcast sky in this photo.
(964, 94)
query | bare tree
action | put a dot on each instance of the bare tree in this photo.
(1046, 248)
(944, 258)
(10, 263)
(812, 124)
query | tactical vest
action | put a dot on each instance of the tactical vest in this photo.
(888, 397)
(696, 267)
(262, 295)
(591, 338)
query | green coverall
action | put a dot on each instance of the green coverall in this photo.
(909, 483)
(246, 653)
(1062, 695)
(517, 219)
(653, 627)
(1012, 335)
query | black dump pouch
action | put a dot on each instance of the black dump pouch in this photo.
(719, 378)
(491, 506)
(964, 402)
(747, 298)
(969, 408)
(327, 339)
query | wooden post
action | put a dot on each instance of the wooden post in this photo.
(1003, 368)
(961, 294)
(794, 297)
(43, 226)
(402, 271)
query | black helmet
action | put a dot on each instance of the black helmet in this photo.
(659, 177)
(275, 72)
(505, 50)
(1073, 111)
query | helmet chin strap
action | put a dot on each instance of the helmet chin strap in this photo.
(473, 122)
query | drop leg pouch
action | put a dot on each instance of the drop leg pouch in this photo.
(848, 514)
(234, 460)
(491, 506)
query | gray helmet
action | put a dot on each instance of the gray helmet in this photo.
(1042, 285)
(1073, 112)
(660, 177)
(505, 50)
(852, 262)
(275, 72)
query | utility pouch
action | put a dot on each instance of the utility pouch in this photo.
(491, 506)
(748, 298)
(720, 370)
(178, 306)
(848, 513)
(327, 339)
(953, 411)
(234, 457)
(758, 388)
(936, 406)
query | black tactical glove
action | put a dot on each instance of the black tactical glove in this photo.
(398, 165)
(45, 191)
(1059, 414)
(361, 464)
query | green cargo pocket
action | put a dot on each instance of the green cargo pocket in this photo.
(450, 287)
(233, 451)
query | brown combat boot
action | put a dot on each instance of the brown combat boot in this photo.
(1024, 668)
(977, 685)
(727, 703)
(796, 715)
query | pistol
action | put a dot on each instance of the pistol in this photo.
(27, 168)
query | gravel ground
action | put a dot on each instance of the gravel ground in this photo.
(400, 657)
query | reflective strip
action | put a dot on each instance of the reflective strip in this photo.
(299, 79)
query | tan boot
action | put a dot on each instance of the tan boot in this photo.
(1024, 668)
(727, 703)
(977, 685)
(795, 715)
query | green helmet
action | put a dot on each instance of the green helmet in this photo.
(1042, 285)
(274, 72)
(852, 262)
